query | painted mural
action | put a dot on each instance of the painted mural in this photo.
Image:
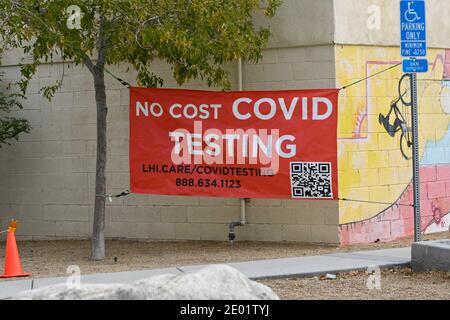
(374, 146)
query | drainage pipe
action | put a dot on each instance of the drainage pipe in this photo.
(240, 88)
(243, 201)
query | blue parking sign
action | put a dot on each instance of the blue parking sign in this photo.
(415, 65)
(413, 28)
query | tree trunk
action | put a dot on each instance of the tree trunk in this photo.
(98, 236)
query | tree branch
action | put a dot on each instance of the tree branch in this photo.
(102, 44)
(88, 63)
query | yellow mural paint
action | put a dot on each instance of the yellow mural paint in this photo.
(371, 165)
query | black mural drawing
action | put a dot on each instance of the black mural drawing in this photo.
(396, 120)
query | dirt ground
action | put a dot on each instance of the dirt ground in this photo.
(51, 258)
(395, 284)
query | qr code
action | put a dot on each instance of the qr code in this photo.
(311, 180)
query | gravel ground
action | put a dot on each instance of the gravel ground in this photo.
(51, 258)
(396, 284)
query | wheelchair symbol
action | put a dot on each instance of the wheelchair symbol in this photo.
(411, 14)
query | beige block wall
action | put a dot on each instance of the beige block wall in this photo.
(47, 178)
(354, 22)
(301, 23)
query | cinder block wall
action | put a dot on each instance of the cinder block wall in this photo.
(47, 178)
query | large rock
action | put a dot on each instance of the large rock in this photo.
(218, 282)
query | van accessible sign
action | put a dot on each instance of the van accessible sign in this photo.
(413, 28)
(249, 144)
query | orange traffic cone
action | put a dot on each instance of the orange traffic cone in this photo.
(13, 267)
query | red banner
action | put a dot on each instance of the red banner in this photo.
(249, 144)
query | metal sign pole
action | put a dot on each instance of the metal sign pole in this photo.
(415, 164)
